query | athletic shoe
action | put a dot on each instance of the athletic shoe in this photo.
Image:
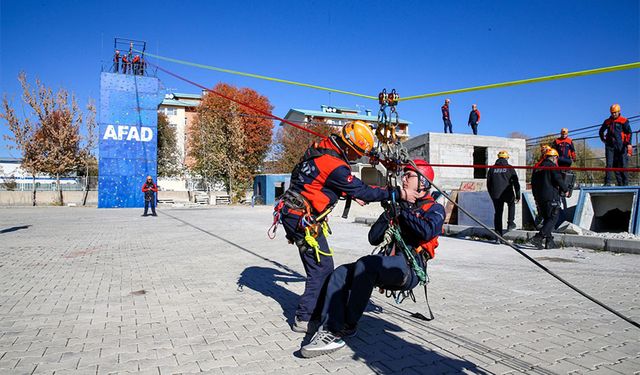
(323, 342)
(300, 326)
(349, 330)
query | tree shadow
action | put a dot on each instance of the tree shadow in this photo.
(13, 229)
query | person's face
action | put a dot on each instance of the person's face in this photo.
(563, 135)
(473, 107)
(410, 180)
(352, 155)
(615, 115)
(149, 179)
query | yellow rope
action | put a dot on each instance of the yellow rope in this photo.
(607, 69)
(258, 76)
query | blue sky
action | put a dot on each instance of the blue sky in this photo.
(414, 46)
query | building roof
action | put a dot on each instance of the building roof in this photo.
(186, 96)
(178, 103)
(348, 116)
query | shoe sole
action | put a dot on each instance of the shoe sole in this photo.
(315, 353)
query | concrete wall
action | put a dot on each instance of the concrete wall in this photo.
(43, 198)
(441, 148)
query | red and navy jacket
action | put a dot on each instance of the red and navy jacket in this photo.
(474, 117)
(618, 132)
(420, 223)
(566, 151)
(146, 188)
(445, 112)
(323, 178)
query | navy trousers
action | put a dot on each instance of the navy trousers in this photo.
(617, 159)
(316, 272)
(152, 203)
(447, 125)
(350, 286)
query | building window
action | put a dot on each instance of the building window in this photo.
(479, 158)
(170, 111)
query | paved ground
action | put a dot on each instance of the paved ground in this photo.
(99, 291)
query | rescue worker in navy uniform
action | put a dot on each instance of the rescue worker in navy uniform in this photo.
(320, 178)
(547, 185)
(617, 145)
(566, 155)
(474, 119)
(504, 187)
(446, 118)
(350, 285)
(149, 189)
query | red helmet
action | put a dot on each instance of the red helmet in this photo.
(423, 168)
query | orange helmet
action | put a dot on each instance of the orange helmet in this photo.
(564, 131)
(614, 108)
(551, 152)
(544, 149)
(503, 154)
(359, 136)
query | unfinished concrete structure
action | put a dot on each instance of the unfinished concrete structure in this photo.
(441, 148)
(609, 209)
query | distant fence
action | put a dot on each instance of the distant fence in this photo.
(66, 184)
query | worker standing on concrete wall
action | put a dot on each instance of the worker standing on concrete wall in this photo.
(350, 286)
(474, 119)
(617, 141)
(547, 185)
(320, 178)
(446, 118)
(504, 187)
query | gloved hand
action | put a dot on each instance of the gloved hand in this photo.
(629, 150)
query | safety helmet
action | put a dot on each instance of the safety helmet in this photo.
(544, 149)
(503, 154)
(447, 100)
(614, 108)
(359, 136)
(551, 152)
(564, 131)
(424, 169)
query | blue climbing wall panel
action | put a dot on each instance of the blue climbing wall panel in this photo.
(127, 138)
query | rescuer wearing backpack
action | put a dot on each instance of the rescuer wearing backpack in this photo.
(320, 178)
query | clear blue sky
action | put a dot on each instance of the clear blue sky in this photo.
(414, 46)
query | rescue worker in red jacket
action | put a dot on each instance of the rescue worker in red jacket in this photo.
(321, 177)
(125, 64)
(446, 118)
(136, 64)
(474, 119)
(617, 141)
(149, 188)
(565, 148)
(350, 285)
(116, 62)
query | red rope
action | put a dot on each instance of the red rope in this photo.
(239, 102)
(603, 169)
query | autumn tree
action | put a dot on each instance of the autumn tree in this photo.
(229, 141)
(89, 163)
(49, 136)
(291, 143)
(169, 164)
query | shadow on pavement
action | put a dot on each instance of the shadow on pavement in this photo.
(264, 280)
(13, 229)
(376, 345)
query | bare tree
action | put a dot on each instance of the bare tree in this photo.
(86, 154)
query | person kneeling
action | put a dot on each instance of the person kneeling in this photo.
(419, 219)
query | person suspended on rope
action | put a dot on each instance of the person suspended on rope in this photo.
(566, 157)
(548, 186)
(408, 240)
(321, 177)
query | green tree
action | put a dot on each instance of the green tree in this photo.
(169, 164)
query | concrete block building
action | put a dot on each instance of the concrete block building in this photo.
(465, 149)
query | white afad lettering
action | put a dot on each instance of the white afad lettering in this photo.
(128, 133)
